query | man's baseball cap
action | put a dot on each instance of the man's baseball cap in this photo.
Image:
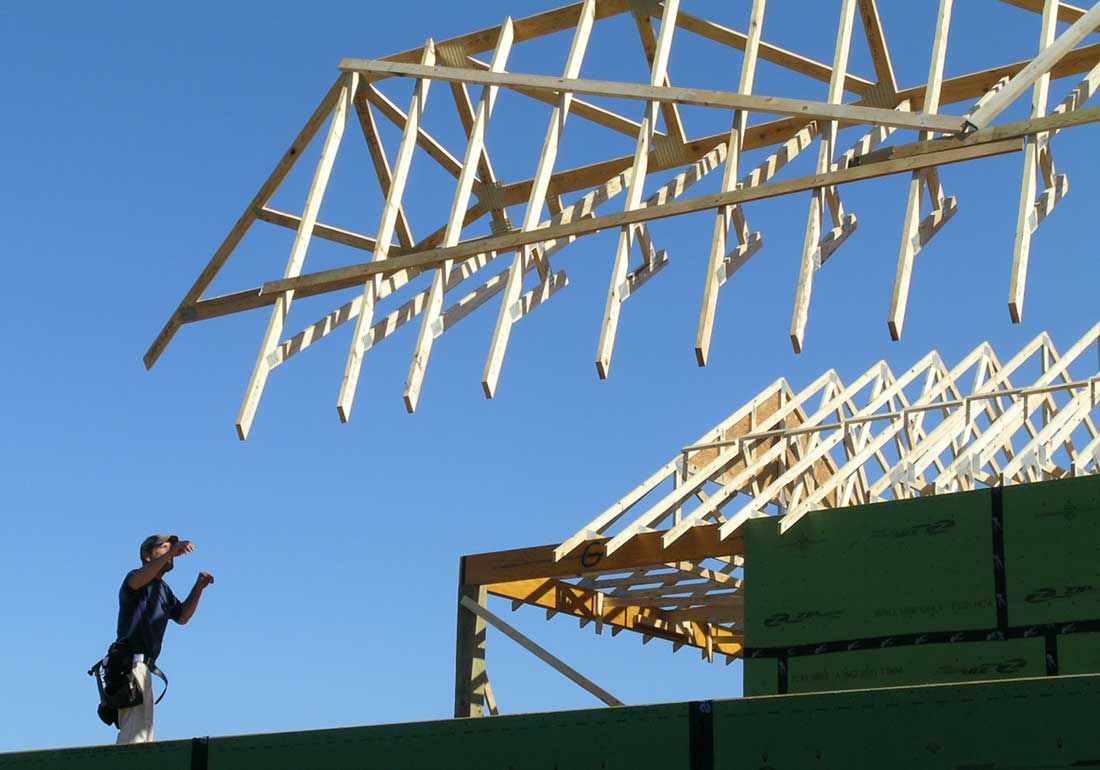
(151, 542)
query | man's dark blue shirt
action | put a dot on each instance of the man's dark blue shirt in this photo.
(143, 615)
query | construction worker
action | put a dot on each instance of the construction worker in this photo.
(145, 605)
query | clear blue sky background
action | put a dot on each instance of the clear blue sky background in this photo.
(136, 132)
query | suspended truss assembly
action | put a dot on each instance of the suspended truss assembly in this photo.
(548, 223)
(668, 560)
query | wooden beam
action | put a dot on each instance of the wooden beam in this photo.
(768, 52)
(715, 274)
(475, 154)
(541, 653)
(533, 214)
(338, 278)
(880, 52)
(529, 28)
(263, 195)
(588, 606)
(327, 232)
(470, 648)
(811, 246)
(279, 314)
(1026, 219)
(910, 243)
(651, 46)
(380, 162)
(428, 143)
(589, 557)
(580, 108)
(1037, 68)
(635, 187)
(1066, 13)
(361, 341)
(666, 94)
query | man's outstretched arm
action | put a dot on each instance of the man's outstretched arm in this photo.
(191, 603)
(139, 578)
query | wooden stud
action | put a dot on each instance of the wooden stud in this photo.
(811, 254)
(279, 314)
(475, 152)
(539, 189)
(716, 265)
(360, 341)
(1026, 218)
(635, 188)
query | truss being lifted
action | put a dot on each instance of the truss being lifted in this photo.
(668, 559)
(516, 260)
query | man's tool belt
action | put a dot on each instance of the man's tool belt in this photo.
(117, 685)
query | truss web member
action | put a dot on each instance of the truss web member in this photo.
(145, 605)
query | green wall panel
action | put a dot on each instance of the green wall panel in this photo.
(1079, 654)
(922, 664)
(168, 755)
(761, 676)
(604, 739)
(1010, 725)
(912, 566)
(1052, 537)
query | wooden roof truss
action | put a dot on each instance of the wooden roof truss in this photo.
(667, 560)
(518, 259)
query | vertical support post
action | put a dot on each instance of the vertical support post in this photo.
(615, 293)
(910, 241)
(1026, 219)
(281, 311)
(475, 154)
(363, 339)
(539, 189)
(729, 182)
(811, 249)
(470, 645)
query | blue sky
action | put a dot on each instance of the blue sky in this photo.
(135, 135)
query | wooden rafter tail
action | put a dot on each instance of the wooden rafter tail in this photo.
(533, 213)
(236, 234)
(911, 243)
(811, 249)
(717, 263)
(279, 314)
(361, 340)
(1026, 217)
(475, 155)
(617, 290)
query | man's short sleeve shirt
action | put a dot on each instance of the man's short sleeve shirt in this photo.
(143, 615)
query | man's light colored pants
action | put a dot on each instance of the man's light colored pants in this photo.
(135, 725)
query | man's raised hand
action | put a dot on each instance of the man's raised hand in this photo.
(204, 579)
(182, 547)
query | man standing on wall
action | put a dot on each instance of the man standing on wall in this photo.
(145, 605)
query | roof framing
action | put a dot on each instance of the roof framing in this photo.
(455, 263)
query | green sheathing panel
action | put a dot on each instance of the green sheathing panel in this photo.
(923, 664)
(1052, 538)
(1079, 654)
(604, 739)
(912, 566)
(761, 676)
(169, 755)
(1015, 724)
